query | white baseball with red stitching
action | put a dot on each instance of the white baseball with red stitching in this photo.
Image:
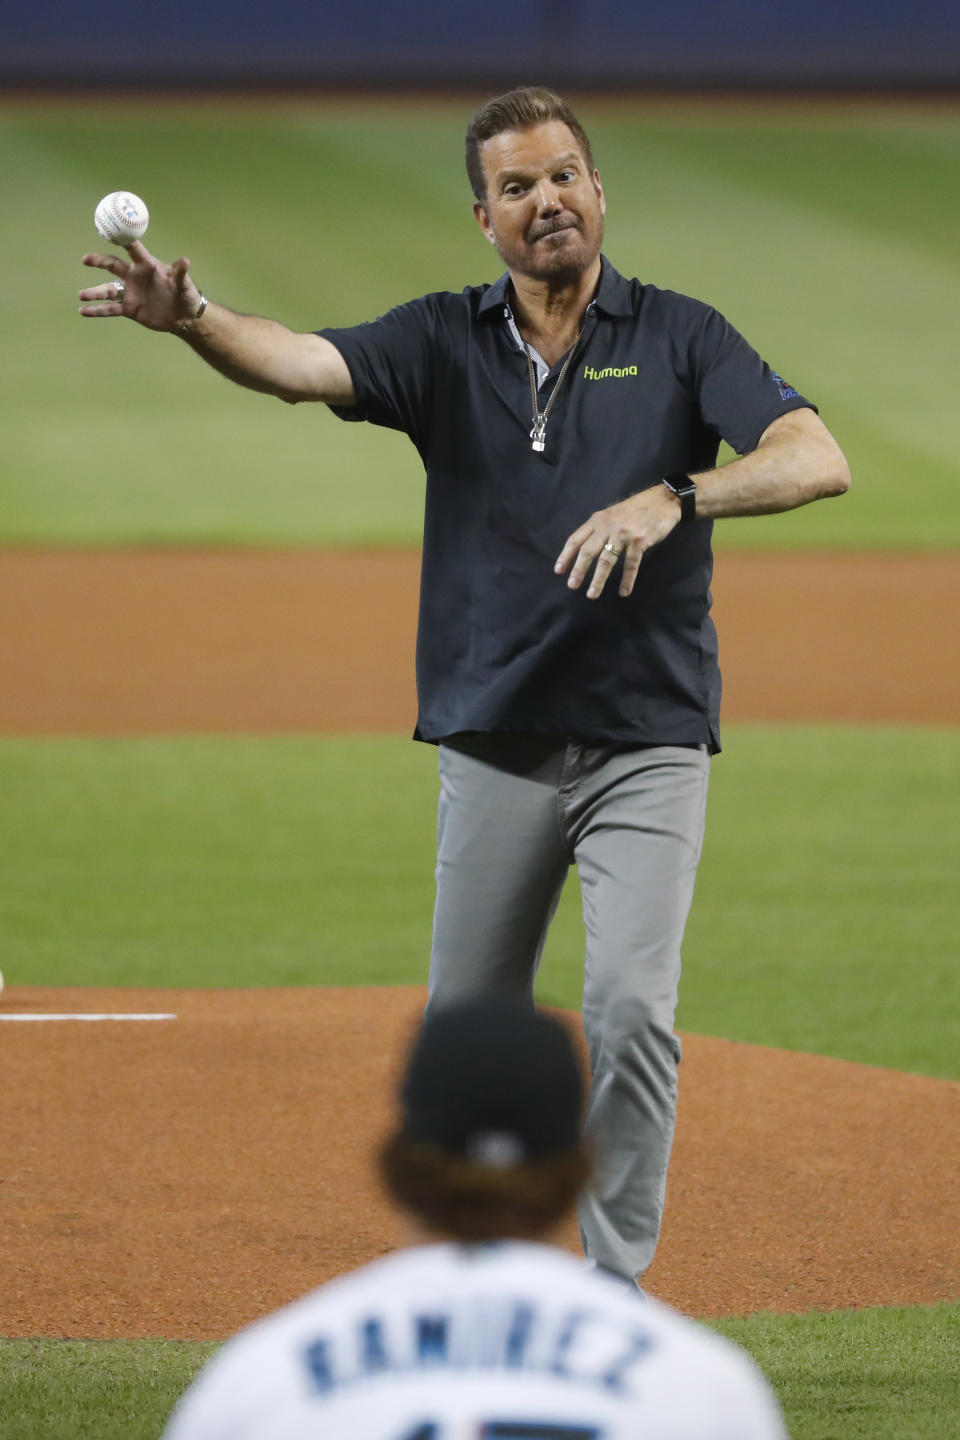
(121, 217)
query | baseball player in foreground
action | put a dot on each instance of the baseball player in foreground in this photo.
(481, 1328)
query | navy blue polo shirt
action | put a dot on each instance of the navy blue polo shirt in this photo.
(656, 380)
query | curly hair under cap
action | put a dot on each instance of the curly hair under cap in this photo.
(470, 1202)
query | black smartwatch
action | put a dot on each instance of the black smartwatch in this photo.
(686, 492)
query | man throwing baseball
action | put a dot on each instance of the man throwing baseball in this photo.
(569, 421)
(481, 1328)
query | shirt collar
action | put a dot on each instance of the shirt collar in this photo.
(613, 293)
(496, 296)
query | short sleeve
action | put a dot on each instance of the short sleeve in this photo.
(738, 393)
(392, 362)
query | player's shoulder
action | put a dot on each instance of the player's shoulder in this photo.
(262, 1366)
(399, 1275)
(730, 1385)
(342, 1295)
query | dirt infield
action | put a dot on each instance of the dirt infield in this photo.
(180, 1177)
(142, 642)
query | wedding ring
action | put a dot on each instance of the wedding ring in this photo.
(118, 289)
(612, 548)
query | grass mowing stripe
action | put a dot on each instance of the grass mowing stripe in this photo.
(826, 890)
(825, 917)
(218, 862)
(803, 238)
(881, 1374)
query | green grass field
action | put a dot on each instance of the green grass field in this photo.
(826, 236)
(853, 1375)
(826, 914)
(825, 919)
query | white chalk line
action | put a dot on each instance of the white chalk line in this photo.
(38, 1019)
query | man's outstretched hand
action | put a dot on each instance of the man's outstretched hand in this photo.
(144, 289)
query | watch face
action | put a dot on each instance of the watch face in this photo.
(686, 492)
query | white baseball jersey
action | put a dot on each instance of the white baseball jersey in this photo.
(507, 1341)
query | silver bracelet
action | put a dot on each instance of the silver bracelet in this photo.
(183, 327)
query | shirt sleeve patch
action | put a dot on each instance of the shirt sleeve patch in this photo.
(787, 391)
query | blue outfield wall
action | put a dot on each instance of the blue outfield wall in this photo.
(597, 43)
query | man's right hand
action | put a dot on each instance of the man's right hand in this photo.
(249, 349)
(144, 289)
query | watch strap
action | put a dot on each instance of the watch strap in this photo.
(685, 490)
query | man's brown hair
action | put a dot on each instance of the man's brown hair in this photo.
(519, 109)
(471, 1202)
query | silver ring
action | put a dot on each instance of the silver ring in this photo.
(612, 548)
(119, 288)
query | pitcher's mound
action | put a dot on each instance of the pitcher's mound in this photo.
(183, 1176)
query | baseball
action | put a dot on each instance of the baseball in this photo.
(121, 218)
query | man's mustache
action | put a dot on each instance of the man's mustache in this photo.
(551, 227)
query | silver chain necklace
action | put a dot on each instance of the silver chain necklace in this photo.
(538, 434)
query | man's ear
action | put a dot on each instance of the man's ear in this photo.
(483, 220)
(599, 189)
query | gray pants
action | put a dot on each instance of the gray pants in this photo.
(515, 812)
